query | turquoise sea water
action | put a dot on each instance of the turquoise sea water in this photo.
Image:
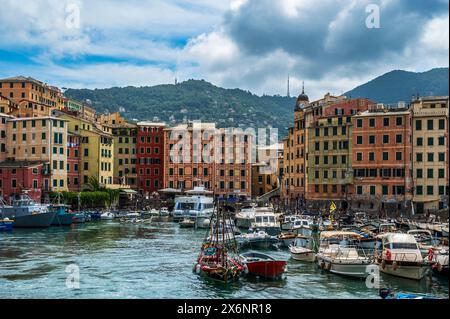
(155, 261)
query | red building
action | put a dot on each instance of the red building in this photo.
(150, 157)
(73, 162)
(18, 176)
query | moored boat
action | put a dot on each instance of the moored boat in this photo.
(107, 216)
(263, 265)
(27, 213)
(303, 249)
(266, 220)
(401, 257)
(257, 240)
(287, 239)
(338, 254)
(187, 223)
(6, 224)
(245, 217)
(62, 216)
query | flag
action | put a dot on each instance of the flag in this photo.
(332, 207)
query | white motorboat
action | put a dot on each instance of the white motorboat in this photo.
(107, 216)
(187, 223)
(338, 254)
(288, 222)
(440, 260)
(401, 257)
(199, 208)
(245, 217)
(303, 249)
(266, 220)
(303, 226)
(427, 244)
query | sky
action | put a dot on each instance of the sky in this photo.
(331, 45)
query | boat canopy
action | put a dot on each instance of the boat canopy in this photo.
(399, 238)
(334, 234)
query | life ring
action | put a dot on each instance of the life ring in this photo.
(388, 254)
(430, 254)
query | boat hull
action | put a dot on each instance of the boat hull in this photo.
(42, 220)
(303, 256)
(410, 271)
(344, 268)
(6, 226)
(62, 220)
(271, 269)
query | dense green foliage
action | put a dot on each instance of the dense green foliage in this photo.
(193, 100)
(200, 100)
(398, 86)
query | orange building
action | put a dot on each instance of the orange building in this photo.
(33, 97)
(198, 154)
(382, 159)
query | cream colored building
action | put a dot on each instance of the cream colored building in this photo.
(430, 153)
(40, 139)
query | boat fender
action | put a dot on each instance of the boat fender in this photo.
(383, 264)
(394, 265)
(322, 265)
(245, 269)
(329, 266)
(388, 254)
(430, 254)
(197, 269)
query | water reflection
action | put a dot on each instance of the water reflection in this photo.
(119, 260)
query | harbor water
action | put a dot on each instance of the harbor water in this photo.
(155, 260)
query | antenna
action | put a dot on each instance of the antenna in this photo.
(288, 87)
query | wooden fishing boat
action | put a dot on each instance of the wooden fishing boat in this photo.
(263, 265)
(303, 249)
(219, 257)
(6, 224)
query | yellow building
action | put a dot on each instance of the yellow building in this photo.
(40, 139)
(430, 153)
(96, 146)
(125, 149)
(266, 172)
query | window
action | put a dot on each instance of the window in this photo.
(398, 138)
(399, 121)
(419, 157)
(419, 173)
(372, 190)
(419, 141)
(371, 122)
(385, 139)
(441, 140)
(441, 173)
(418, 125)
(430, 125)
(359, 190)
(442, 124)
(344, 159)
(385, 190)
(385, 156)
(430, 141)
(359, 140)
(441, 190)
(371, 139)
(419, 190)
(430, 190)
(398, 156)
(371, 156)
(441, 157)
(386, 121)
(430, 173)
(430, 157)
(359, 157)
(359, 123)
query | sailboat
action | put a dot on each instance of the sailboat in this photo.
(219, 257)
